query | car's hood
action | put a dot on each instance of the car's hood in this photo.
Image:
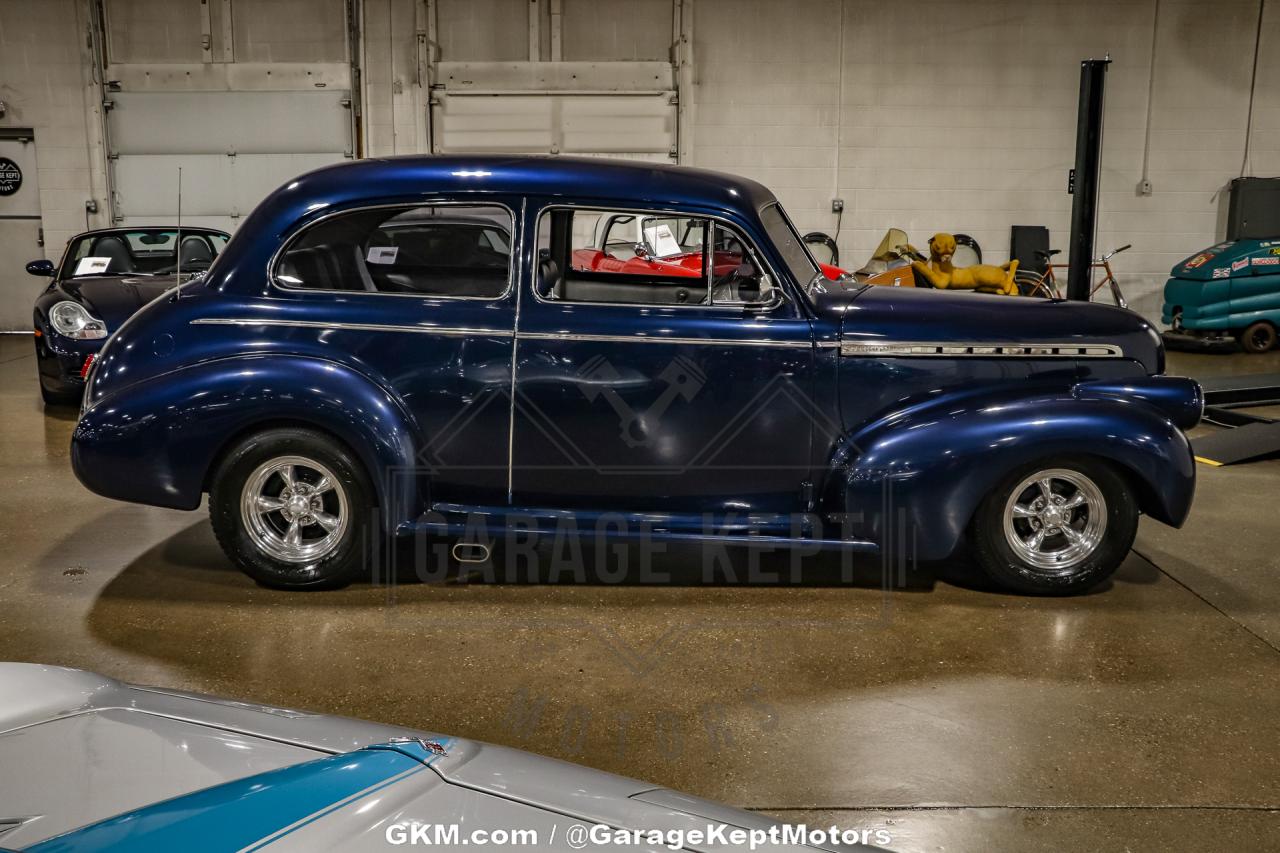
(113, 299)
(870, 315)
(78, 751)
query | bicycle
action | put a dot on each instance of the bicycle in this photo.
(1045, 284)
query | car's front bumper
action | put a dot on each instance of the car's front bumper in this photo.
(62, 361)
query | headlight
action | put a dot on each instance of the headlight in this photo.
(73, 321)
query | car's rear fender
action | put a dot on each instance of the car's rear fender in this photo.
(124, 449)
(931, 466)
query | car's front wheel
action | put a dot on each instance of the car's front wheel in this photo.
(1058, 527)
(291, 508)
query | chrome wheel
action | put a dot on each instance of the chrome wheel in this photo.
(294, 509)
(1054, 520)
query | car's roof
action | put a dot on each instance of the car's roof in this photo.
(586, 181)
(573, 178)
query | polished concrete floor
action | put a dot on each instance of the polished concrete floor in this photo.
(1145, 716)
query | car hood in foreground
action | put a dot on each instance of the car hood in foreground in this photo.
(87, 762)
(113, 299)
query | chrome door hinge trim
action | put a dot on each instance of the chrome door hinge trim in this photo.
(447, 331)
(965, 349)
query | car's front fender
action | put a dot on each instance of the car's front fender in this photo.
(157, 441)
(930, 467)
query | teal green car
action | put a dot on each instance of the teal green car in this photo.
(1228, 291)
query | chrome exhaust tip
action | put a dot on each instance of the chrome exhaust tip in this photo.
(470, 552)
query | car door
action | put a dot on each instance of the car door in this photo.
(675, 388)
(422, 296)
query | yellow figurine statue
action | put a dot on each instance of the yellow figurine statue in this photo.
(941, 274)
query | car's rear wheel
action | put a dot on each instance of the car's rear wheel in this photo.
(1258, 337)
(291, 508)
(1058, 527)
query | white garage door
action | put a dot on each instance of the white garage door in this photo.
(619, 109)
(233, 148)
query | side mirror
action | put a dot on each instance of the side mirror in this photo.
(641, 250)
(41, 267)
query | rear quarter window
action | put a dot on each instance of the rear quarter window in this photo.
(432, 250)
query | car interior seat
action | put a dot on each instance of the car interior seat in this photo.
(194, 251)
(549, 275)
(111, 246)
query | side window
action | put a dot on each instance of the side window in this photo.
(435, 250)
(737, 276)
(619, 240)
(628, 257)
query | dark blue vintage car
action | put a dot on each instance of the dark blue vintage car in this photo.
(432, 345)
(102, 278)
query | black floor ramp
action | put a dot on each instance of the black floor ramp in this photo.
(1247, 389)
(1241, 444)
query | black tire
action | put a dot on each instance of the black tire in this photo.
(334, 563)
(997, 557)
(1258, 337)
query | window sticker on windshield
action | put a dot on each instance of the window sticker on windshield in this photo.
(382, 254)
(91, 265)
(662, 240)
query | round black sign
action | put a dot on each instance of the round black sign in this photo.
(10, 177)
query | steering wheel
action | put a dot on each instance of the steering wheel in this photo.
(727, 287)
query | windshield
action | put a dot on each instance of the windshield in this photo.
(144, 251)
(789, 245)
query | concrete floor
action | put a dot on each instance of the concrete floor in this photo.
(1145, 716)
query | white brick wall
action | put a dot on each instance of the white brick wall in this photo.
(940, 115)
(394, 105)
(44, 82)
(922, 114)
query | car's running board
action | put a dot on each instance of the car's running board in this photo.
(490, 525)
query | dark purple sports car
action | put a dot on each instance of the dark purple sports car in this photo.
(104, 276)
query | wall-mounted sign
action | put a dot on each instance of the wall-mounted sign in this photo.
(10, 177)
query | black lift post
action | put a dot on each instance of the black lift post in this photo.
(1083, 182)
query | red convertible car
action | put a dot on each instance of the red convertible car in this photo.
(667, 246)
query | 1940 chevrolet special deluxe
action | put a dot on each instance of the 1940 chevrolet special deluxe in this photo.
(433, 345)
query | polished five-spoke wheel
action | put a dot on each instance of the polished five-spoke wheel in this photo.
(1055, 527)
(1055, 519)
(292, 507)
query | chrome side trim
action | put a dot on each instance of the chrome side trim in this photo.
(644, 339)
(965, 349)
(447, 331)
(459, 332)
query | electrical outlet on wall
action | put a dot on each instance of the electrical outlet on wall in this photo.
(837, 205)
(1144, 187)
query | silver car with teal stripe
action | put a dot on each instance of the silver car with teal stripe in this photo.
(89, 763)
